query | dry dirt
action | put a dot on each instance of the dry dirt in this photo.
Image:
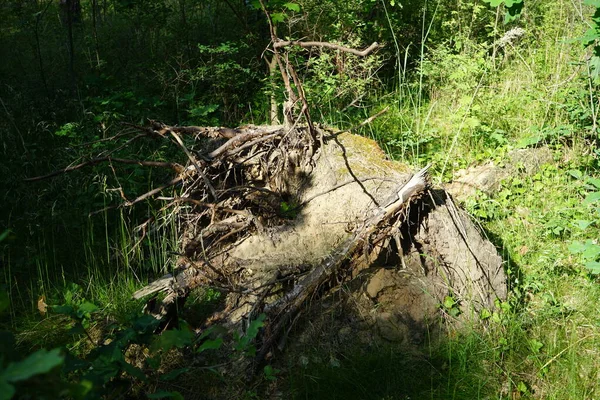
(397, 297)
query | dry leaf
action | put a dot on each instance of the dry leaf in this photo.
(42, 306)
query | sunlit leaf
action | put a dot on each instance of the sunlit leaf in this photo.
(277, 17)
(292, 6)
(594, 181)
(575, 173)
(593, 266)
(494, 3)
(591, 198)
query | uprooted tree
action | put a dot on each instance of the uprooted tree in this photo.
(277, 216)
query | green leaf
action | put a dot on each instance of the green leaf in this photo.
(594, 181)
(255, 326)
(69, 129)
(595, 66)
(513, 11)
(174, 338)
(575, 173)
(595, 3)
(174, 374)
(454, 312)
(278, 17)
(81, 389)
(203, 110)
(7, 391)
(211, 344)
(485, 314)
(270, 373)
(40, 362)
(292, 6)
(591, 198)
(145, 323)
(494, 3)
(576, 247)
(593, 266)
(535, 346)
(449, 302)
(522, 387)
(591, 252)
(85, 309)
(133, 371)
(243, 343)
(4, 234)
(582, 224)
(589, 37)
(63, 309)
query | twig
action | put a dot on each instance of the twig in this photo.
(151, 193)
(195, 163)
(127, 143)
(370, 119)
(242, 138)
(108, 139)
(174, 166)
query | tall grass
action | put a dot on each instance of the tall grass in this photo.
(471, 104)
(108, 261)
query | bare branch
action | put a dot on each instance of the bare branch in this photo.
(174, 166)
(333, 46)
(195, 163)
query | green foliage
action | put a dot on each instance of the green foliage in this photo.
(513, 8)
(243, 343)
(591, 38)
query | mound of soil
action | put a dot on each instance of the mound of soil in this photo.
(286, 229)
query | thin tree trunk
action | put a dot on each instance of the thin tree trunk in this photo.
(38, 46)
(185, 29)
(71, 66)
(94, 30)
